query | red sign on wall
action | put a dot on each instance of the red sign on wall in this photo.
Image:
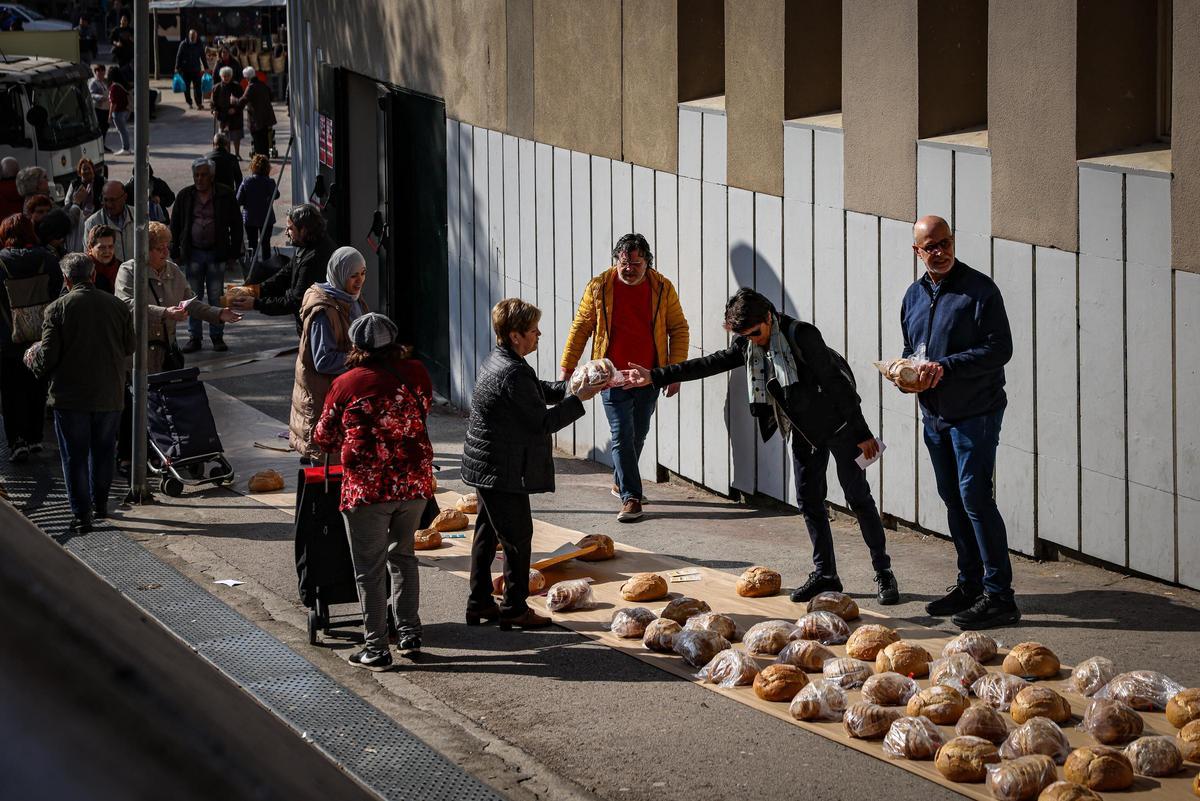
(325, 141)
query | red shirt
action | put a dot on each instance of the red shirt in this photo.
(631, 337)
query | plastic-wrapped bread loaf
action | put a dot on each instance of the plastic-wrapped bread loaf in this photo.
(808, 655)
(698, 646)
(1111, 721)
(711, 621)
(868, 640)
(982, 721)
(940, 703)
(644, 587)
(1022, 778)
(729, 668)
(1099, 767)
(1154, 756)
(1037, 736)
(1039, 702)
(1141, 689)
(824, 627)
(905, 658)
(768, 637)
(1091, 674)
(889, 689)
(980, 646)
(998, 690)
(846, 672)
(839, 603)
(1067, 791)
(779, 682)
(912, 738)
(567, 595)
(758, 582)
(680, 609)
(965, 759)
(959, 671)
(1184, 707)
(660, 635)
(594, 373)
(867, 721)
(900, 371)
(1031, 659)
(819, 700)
(631, 623)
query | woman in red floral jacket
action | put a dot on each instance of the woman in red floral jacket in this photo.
(374, 415)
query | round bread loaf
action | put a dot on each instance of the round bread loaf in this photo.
(698, 646)
(1031, 659)
(758, 582)
(1111, 721)
(824, 627)
(998, 690)
(867, 641)
(980, 646)
(607, 549)
(965, 759)
(631, 623)
(1037, 736)
(889, 689)
(1091, 674)
(537, 582)
(1067, 791)
(768, 637)
(1154, 756)
(266, 481)
(680, 609)
(1196, 785)
(867, 721)
(912, 738)
(846, 672)
(1039, 702)
(1142, 689)
(730, 668)
(1099, 767)
(807, 655)
(982, 721)
(714, 622)
(1184, 707)
(940, 703)
(1022, 778)
(1188, 740)
(839, 603)
(904, 657)
(959, 671)
(819, 700)
(659, 635)
(779, 682)
(644, 587)
(569, 595)
(467, 504)
(426, 539)
(449, 520)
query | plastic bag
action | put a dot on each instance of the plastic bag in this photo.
(889, 689)
(1141, 689)
(959, 671)
(998, 690)
(824, 627)
(768, 637)
(847, 672)
(631, 622)
(1021, 779)
(568, 595)
(867, 721)
(206, 83)
(730, 668)
(980, 646)
(1037, 736)
(660, 635)
(808, 655)
(178, 85)
(714, 622)
(698, 646)
(903, 371)
(821, 700)
(1154, 756)
(1091, 674)
(912, 738)
(600, 373)
(1111, 721)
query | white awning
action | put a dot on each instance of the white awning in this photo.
(171, 5)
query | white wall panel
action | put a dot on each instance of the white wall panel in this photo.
(1057, 403)
(601, 248)
(466, 261)
(581, 271)
(798, 259)
(691, 154)
(666, 261)
(1016, 489)
(528, 221)
(512, 218)
(1102, 405)
(768, 279)
(899, 411)
(862, 330)
(972, 193)
(643, 223)
(714, 147)
(798, 163)
(1187, 423)
(1148, 220)
(454, 315)
(827, 168)
(715, 293)
(741, 274)
(973, 249)
(935, 176)
(495, 201)
(829, 294)
(1101, 213)
(483, 256)
(564, 287)
(690, 399)
(622, 203)
(552, 339)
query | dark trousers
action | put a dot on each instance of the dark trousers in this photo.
(503, 517)
(102, 121)
(811, 464)
(87, 443)
(629, 413)
(964, 463)
(253, 233)
(191, 89)
(260, 142)
(22, 400)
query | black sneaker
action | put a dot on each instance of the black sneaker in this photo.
(219, 345)
(988, 612)
(80, 526)
(816, 585)
(192, 346)
(100, 512)
(960, 597)
(371, 659)
(889, 591)
(409, 643)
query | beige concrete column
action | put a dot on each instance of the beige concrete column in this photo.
(1185, 139)
(879, 107)
(1031, 123)
(754, 55)
(518, 21)
(650, 84)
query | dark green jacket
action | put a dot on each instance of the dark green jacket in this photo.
(86, 336)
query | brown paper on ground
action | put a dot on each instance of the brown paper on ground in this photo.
(717, 588)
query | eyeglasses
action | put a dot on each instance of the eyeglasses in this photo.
(756, 331)
(938, 247)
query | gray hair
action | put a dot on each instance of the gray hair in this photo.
(220, 141)
(9, 167)
(28, 180)
(205, 163)
(225, 72)
(77, 267)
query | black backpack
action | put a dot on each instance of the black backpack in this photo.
(839, 361)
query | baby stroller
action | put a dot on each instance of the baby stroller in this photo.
(185, 450)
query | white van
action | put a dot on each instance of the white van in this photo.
(47, 118)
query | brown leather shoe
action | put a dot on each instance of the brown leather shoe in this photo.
(529, 620)
(478, 616)
(631, 510)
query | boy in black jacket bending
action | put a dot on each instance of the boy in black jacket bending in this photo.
(801, 387)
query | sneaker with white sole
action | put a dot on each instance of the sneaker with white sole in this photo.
(370, 659)
(631, 510)
(616, 493)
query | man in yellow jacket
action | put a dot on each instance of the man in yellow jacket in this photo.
(632, 315)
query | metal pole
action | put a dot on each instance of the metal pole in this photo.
(139, 490)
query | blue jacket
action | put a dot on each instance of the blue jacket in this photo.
(964, 328)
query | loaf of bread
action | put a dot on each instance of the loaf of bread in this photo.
(867, 721)
(889, 689)
(867, 641)
(903, 657)
(819, 700)
(1196, 785)
(768, 637)
(1067, 791)
(1111, 721)
(1184, 707)
(1022, 778)
(698, 646)
(607, 549)
(468, 504)
(644, 587)
(631, 623)
(759, 582)
(779, 682)
(824, 627)
(537, 582)
(1154, 756)
(998, 690)
(266, 481)
(965, 759)
(980, 646)
(680, 609)
(1099, 767)
(427, 539)
(959, 671)
(839, 603)
(901, 371)
(808, 655)
(982, 721)
(1037, 736)
(714, 622)
(660, 635)
(1142, 689)
(568, 595)
(1091, 674)
(593, 373)
(847, 672)
(729, 668)
(1038, 701)
(912, 738)
(1031, 659)
(449, 520)
(1188, 740)
(940, 703)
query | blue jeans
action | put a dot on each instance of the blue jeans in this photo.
(629, 412)
(87, 443)
(205, 273)
(964, 463)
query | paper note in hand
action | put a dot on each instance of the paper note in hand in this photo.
(864, 462)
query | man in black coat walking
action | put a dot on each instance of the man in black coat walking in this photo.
(228, 171)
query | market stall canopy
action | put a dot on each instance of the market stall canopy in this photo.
(169, 5)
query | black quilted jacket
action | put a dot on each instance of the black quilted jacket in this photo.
(508, 444)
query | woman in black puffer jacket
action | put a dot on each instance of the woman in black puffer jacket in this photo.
(507, 457)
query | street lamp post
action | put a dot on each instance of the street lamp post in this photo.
(139, 488)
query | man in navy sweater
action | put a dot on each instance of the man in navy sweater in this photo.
(957, 313)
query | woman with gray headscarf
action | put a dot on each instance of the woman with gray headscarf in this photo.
(325, 315)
